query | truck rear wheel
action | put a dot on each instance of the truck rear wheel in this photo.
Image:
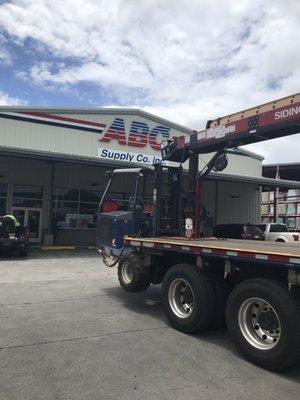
(131, 274)
(263, 318)
(188, 298)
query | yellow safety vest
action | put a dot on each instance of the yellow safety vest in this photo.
(13, 218)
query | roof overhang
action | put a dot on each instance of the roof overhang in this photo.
(265, 183)
(286, 170)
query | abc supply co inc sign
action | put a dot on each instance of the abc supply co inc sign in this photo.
(140, 144)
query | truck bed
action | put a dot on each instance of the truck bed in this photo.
(282, 253)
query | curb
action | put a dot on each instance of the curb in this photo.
(72, 248)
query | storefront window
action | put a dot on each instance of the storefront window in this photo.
(90, 196)
(77, 209)
(66, 194)
(27, 196)
(87, 217)
(3, 198)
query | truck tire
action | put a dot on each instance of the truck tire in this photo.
(263, 318)
(188, 298)
(131, 275)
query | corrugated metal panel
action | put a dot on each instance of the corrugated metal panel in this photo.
(237, 164)
(238, 203)
(34, 136)
(209, 196)
(24, 171)
(79, 176)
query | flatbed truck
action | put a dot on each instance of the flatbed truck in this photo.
(254, 286)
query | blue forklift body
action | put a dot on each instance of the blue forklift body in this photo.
(113, 226)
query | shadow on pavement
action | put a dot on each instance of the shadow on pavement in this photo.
(146, 302)
(149, 302)
(35, 253)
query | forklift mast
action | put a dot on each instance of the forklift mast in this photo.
(169, 224)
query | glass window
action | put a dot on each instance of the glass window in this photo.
(90, 196)
(3, 198)
(2, 206)
(27, 196)
(66, 194)
(77, 209)
(278, 228)
(3, 189)
(87, 217)
(33, 192)
(66, 214)
(27, 203)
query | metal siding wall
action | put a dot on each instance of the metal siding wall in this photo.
(79, 176)
(238, 165)
(238, 203)
(25, 135)
(34, 136)
(209, 197)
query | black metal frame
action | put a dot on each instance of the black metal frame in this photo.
(175, 195)
(139, 173)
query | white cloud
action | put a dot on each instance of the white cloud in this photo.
(6, 100)
(186, 61)
(5, 57)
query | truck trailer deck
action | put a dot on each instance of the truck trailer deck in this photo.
(230, 248)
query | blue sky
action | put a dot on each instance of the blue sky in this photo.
(185, 61)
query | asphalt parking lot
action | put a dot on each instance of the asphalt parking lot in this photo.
(67, 331)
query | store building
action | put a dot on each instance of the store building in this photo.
(53, 163)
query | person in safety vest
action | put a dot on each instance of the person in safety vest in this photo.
(8, 224)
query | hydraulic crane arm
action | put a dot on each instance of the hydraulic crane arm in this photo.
(267, 121)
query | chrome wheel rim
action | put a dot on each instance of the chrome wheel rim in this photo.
(181, 298)
(259, 323)
(127, 273)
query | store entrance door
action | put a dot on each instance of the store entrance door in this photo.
(30, 217)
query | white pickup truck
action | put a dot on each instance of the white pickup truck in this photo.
(279, 233)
